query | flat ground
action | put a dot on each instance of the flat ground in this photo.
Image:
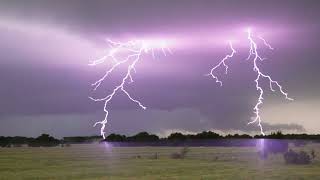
(96, 161)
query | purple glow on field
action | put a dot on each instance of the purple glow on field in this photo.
(107, 146)
(260, 144)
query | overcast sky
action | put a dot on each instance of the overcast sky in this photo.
(46, 45)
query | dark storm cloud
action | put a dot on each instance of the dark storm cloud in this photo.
(127, 122)
(42, 79)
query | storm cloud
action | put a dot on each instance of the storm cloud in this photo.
(46, 45)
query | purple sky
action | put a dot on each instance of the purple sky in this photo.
(46, 45)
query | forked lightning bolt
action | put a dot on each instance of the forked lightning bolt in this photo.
(134, 49)
(254, 52)
(222, 63)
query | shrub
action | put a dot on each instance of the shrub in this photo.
(180, 155)
(299, 143)
(154, 156)
(313, 154)
(216, 158)
(292, 157)
(184, 151)
(176, 155)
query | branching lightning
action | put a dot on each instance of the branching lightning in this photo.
(222, 63)
(264, 41)
(253, 52)
(134, 49)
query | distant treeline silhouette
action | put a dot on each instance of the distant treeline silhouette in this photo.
(205, 135)
(45, 140)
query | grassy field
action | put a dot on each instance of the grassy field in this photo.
(96, 161)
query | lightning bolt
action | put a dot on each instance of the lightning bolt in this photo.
(253, 52)
(264, 42)
(134, 49)
(223, 64)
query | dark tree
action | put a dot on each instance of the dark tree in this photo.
(177, 137)
(44, 140)
(143, 137)
(116, 138)
(237, 136)
(207, 135)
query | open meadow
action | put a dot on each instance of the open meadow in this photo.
(100, 161)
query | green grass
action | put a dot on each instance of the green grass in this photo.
(99, 162)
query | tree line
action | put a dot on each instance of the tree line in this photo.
(205, 135)
(46, 140)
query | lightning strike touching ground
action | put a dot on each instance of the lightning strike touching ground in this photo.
(135, 50)
(253, 52)
(222, 63)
